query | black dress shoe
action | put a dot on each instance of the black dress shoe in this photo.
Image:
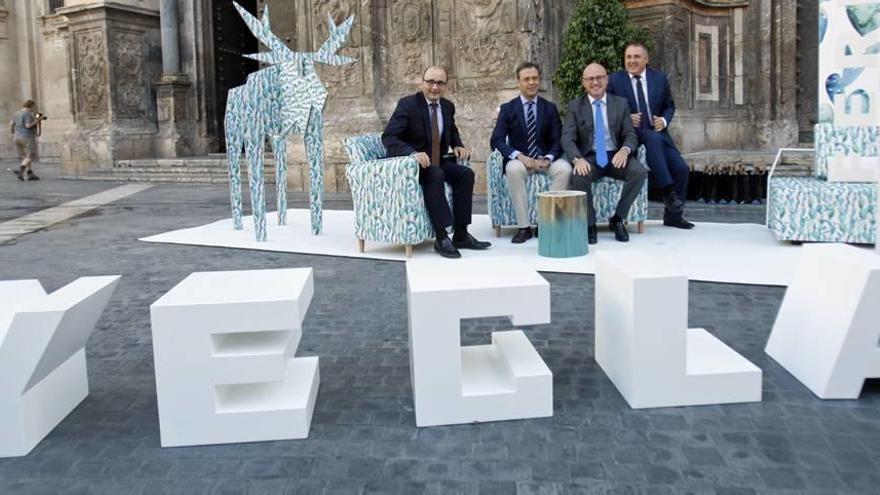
(522, 235)
(536, 231)
(470, 243)
(619, 229)
(681, 223)
(445, 248)
(592, 235)
(672, 202)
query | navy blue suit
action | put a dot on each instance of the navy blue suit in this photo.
(665, 161)
(409, 131)
(510, 132)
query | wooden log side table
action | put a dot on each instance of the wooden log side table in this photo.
(562, 224)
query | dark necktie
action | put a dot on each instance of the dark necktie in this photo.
(531, 131)
(599, 134)
(643, 103)
(435, 136)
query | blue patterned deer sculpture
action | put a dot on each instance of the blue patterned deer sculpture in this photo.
(285, 98)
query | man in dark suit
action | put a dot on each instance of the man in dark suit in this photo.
(423, 126)
(527, 135)
(599, 139)
(651, 108)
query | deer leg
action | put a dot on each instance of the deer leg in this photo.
(314, 139)
(233, 156)
(254, 149)
(279, 147)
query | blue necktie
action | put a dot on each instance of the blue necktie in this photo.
(599, 138)
(531, 131)
(643, 103)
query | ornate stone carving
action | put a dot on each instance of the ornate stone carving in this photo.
(339, 10)
(411, 19)
(91, 68)
(4, 13)
(128, 71)
(481, 37)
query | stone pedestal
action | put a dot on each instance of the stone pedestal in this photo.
(175, 124)
(115, 56)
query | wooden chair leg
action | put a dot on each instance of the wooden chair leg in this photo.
(360, 245)
(408, 248)
(641, 227)
(497, 231)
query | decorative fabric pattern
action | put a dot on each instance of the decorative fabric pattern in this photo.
(283, 99)
(606, 193)
(389, 205)
(833, 141)
(810, 209)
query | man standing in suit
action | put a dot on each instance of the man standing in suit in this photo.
(651, 108)
(527, 135)
(598, 137)
(423, 126)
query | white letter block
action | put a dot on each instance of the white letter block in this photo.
(42, 355)
(645, 347)
(828, 327)
(223, 345)
(506, 379)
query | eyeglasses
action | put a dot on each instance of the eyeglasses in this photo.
(431, 82)
(594, 79)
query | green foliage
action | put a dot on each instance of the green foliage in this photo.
(598, 32)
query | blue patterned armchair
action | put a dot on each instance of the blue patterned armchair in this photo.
(387, 198)
(814, 209)
(606, 192)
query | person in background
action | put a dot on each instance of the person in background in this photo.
(25, 127)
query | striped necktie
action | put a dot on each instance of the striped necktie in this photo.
(531, 130)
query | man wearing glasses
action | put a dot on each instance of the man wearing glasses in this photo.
(423, 126)
(598, 138)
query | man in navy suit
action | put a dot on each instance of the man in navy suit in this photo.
(651, 108)
(423, 126)
(527, 135)
(599, 139)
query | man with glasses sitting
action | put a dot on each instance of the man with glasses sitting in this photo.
(598, 138)
(423, 126)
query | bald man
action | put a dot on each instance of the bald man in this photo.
(598, 138)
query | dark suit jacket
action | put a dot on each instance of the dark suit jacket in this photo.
(659, 96)
(409, 129)
(577, 130)
(510, 129)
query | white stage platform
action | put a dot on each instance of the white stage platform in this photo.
(712, 252)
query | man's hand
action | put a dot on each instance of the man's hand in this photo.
(529, 162)
(543, 163)
(637, 119)
(619, 158)
(581, 167)
(658, 124)
(462, 153)
(423, 159)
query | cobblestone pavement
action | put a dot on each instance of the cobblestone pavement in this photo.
(363, 437)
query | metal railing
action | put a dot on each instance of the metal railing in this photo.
(55, 5)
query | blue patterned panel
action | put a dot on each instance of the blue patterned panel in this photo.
(606, 193)
(809, 209)
(833, 141)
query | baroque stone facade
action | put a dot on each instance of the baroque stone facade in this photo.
(730, 62)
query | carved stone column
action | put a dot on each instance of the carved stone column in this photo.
(115, 56)
(4, 13)
(172, 91)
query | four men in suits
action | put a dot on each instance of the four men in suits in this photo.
(599, 138)
(423, 126)
(651, 108)
(601, 131)
(527, 135)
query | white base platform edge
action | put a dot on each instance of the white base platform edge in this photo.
(712, 252)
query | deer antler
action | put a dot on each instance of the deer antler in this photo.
(338, 36)
(262, 31)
